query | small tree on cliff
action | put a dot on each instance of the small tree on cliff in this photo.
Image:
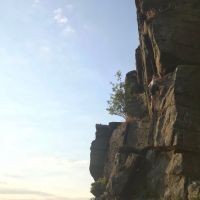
(98, 187)
(116, 104)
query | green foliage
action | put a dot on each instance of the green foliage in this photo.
(98, 187)
(116, 104)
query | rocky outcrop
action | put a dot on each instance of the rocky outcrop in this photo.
(156, 155)
(99, 148)
(134, 96)
(169, 34)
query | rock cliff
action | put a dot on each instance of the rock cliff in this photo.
(156, 155)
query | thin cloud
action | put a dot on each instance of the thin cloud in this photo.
(59, 17)
(45, 50)
(46, 198)
(14, 58)
(68, 30)
(23, 192)
(44, 166)
(13, 176)
(36, 2)
(26, 192)
(69, 8)
(3, 183)
(62, 20)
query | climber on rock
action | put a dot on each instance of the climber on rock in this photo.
(153, 90)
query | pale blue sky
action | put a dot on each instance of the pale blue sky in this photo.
(56, 61)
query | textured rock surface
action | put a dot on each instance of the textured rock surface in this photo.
(169, 33)
(156, 156)
(99, 148)
(134, 96)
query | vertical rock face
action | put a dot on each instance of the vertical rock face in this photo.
(168, 33)
(156, 155)
(134, 96)
(99, 148)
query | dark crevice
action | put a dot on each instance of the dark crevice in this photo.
(151, 65)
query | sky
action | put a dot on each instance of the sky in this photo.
(57, 59)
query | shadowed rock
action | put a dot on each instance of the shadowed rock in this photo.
(157, 155)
